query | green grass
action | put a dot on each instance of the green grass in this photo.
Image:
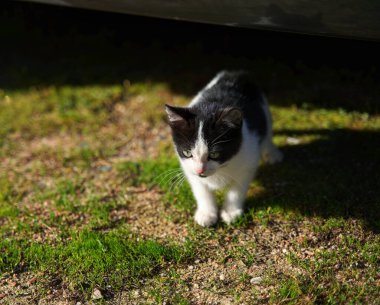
(89, 250)
(56, 109)
(7, 199)
(91, 259)
(91, 194)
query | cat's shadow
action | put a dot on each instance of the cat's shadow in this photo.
(337, 175)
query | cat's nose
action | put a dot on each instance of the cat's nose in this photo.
(200, 171)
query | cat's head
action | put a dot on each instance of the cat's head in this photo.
(205, 138)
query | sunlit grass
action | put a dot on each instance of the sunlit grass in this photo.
(65, 191)
(91, 259)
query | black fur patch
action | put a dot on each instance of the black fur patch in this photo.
(219, 108)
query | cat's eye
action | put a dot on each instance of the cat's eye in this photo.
(187, 153)
(214, 155)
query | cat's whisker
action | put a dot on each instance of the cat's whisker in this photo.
(165, 178)
(173, 178)
(218, 137)
(228, 180)
(170, 180)
(222, 142)
(179, 182)
(182, 181)
(168, 171)
(233, 180)
(175, 181)
(167, 175)
(172, 185)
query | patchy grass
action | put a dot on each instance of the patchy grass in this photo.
(80, 215)
(89, 259)
(92, 198)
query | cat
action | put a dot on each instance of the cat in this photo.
(219, 139)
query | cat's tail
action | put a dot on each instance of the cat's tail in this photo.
(269, 152)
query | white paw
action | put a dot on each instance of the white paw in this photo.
(273, 156)
(229, 216)
(206, 218)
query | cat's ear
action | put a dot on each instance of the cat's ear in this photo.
(232, 117)
(178, 115)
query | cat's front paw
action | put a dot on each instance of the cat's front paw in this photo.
(228, 216)
(206, 218)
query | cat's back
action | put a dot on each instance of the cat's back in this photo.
(230, 88)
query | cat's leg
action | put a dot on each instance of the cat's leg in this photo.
(207, 213)
(235, 197)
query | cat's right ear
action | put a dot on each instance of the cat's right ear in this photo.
(232, 117)
(178, 115)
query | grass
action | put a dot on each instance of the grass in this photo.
(71, 208)
(88, 259)
(91, 196)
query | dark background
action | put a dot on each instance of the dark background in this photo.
(38, 41)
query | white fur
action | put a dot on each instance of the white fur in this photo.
(212, 83)
(200, 150)
(215, 80)
(236, 174)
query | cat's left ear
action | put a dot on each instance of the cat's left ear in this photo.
(232, 117)
(178, 115)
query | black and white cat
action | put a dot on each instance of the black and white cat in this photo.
(219, 139)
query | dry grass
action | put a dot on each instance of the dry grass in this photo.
(89, 201)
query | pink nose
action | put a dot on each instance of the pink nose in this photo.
(200, 171)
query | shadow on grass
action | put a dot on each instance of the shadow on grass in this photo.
(337, 176)
(43, 49)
